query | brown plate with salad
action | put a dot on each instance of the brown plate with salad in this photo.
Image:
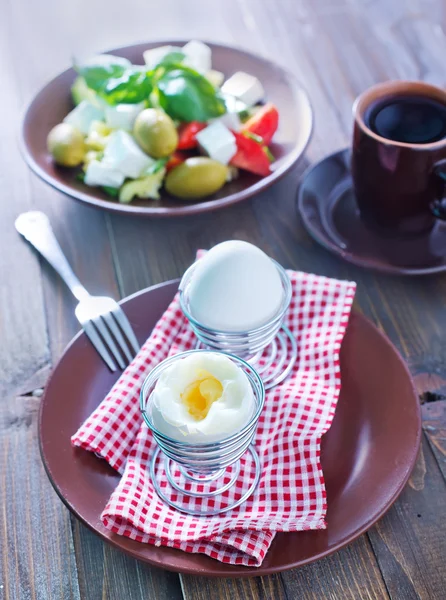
(167, 128)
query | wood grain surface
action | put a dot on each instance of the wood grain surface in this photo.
(337, 48)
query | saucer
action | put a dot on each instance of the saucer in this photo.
(330, 214)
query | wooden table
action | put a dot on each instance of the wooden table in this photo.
(337, 48)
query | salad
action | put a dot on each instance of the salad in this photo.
(174, 122)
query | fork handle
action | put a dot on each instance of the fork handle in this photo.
(36, 228)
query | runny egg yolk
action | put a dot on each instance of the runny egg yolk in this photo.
(199, 395)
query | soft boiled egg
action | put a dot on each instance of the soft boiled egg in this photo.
(235, 287)
(203, 397)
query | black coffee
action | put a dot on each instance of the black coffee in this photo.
(410, 119)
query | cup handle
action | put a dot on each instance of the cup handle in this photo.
(439, 205)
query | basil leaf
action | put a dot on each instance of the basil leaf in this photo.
(134, 85)
(188, 96)
(116, 80)
(171, 58)
(99, 69)
(111, 191)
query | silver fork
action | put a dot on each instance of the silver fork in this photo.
(102, 319)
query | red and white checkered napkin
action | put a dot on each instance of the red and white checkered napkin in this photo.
(291, 493)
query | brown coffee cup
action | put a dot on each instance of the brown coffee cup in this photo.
(399, 187)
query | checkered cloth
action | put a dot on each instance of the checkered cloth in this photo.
(291, 493)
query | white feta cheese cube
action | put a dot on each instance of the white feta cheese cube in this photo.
(198, 56)
(153, 56)
(83, 116)
(215, 77)
(100, 173)
(231, 120)
(122, 116)
(245, 87)
(217, 142)
(233, 104)
(124, 154)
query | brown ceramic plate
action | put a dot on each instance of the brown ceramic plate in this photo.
(367, 455)
(328, 208)
(53, 102)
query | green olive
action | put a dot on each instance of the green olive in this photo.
(197, 177)
(155, 132)
(66, 144)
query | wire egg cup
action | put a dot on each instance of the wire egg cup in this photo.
(194, 471)
(271, 348)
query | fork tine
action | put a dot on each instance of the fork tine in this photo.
(126, 328)
(114, 328)
(103, 330)
(99, 345)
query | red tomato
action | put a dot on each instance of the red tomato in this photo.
(264, 123)
(187, 135)
(250, 156)
(176, 159)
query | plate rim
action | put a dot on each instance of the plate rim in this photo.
(187, 209)
(333, 248)
(236, 571)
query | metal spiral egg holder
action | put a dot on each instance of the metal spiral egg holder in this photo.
(184, 473)
(271, 349)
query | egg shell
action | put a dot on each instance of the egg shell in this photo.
(235, 287)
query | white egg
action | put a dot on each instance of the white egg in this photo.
(177, 400)
(235, 287)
